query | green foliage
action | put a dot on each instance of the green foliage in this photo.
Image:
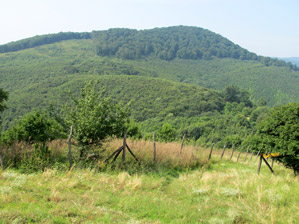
(133, 130)
(3, 98)
(94, 117)
(279, 132)
(34, 127)
(37, 160)
(166, 133)
(234, 94)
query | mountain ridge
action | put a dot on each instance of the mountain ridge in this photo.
(218, 46)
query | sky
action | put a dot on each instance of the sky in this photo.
(266, 27)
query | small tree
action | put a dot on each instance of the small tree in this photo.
(34, 127)
(279, 132)
(94, 118)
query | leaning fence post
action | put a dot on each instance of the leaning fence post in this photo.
(259, 164)
(257, 155)
(239, 154)
(246, 153)
(211, 151)
(154, 141)
(251, 156)
(231, 156)
(182, 143)
(70, 147)
(223, 150)
(124, 148)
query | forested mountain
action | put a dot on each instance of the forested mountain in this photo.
(183, 42)
(135, 65)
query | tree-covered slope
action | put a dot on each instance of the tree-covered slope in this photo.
(38, 76)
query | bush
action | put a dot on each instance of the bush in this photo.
(35, 127)
(166, 133)
(38, 159)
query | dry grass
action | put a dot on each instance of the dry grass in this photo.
(169, 154)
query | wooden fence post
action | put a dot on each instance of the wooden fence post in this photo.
(154, 141)
(223, 150)
(239, 154)
(70, 147)
(1, 161)
(182, 143)
(257, 155)
(231, 156)
(272, 162)
(211, 151)
(251, 156)
(246, 153)
(259, 165)
(124, 148)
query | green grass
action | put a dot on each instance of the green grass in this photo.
(219, 192)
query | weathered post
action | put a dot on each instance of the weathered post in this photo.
(182, 143)
(257, 155)
(154, 141)
(246, 153)
(251, 156)
(231, 156)
(223, 150)
(272, 162)
(259, 164)
(124, 148)
(239, 154)
(211, 151)
(70, 147)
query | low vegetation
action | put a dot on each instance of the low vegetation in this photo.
(219, 191)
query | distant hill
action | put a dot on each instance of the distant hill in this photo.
(293, 60)
(39, 71)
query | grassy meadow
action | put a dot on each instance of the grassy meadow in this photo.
(180, 188)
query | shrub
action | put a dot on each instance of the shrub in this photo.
(35, 127)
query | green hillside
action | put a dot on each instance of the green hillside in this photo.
(38, 71)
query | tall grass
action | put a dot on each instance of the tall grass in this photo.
(167, 154)
(227, 192)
